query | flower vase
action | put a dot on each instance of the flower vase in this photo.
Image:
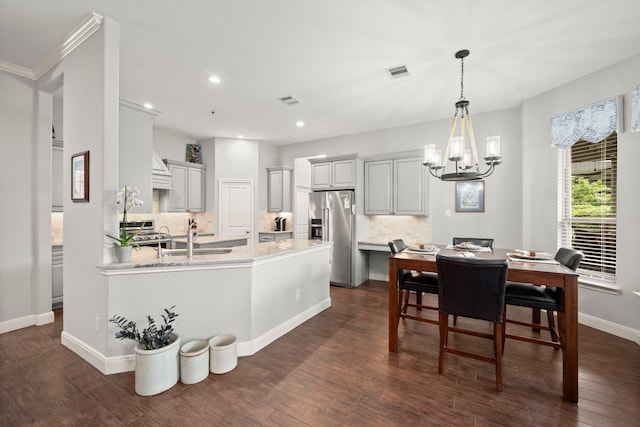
(123, 253)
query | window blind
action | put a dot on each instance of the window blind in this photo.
(587, 204)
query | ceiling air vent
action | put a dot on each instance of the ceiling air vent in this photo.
(289, 100)
(397, 72)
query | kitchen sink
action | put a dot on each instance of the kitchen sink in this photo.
(199, 251)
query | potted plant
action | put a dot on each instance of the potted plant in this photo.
(124, 242)
(156, 353)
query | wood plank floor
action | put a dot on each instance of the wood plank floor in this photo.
(333, 370)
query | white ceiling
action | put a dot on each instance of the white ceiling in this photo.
(331, 55)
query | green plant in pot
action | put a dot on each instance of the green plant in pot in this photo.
(127, 197)
(156, 353)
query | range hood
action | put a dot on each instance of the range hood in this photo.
(160, 175)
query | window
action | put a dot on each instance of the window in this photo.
(587, 204)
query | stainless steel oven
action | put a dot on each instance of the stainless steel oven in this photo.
(148, 236)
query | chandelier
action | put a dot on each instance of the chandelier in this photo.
(465, 159)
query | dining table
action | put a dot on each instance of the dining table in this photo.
(527, 271)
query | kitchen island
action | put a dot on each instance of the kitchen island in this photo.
(257, 293)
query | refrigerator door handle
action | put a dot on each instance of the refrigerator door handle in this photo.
(325, 224)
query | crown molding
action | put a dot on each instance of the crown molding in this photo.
(82, 32)
(16, 70)
(137, 107)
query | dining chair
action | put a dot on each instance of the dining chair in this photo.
(480, 241)
(418, 282)
(485, 242)
(538, 298)
(473, 288)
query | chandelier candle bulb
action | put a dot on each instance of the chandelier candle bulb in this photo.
(468, 160)
(457, 148)
(493, 146)
(429, 154)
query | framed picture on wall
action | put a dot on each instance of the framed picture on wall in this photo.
(80, 177)
(470, 196)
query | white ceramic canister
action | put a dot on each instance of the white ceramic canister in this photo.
(223, 355)
(194, 361)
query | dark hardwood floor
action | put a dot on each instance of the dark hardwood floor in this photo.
(333, 370)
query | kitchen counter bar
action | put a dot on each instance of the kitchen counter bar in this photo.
(147, 257)
(256, 293)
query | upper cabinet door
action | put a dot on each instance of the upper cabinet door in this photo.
(344, 174)
(279, 185)
(321, 176)
(196, 190)
(178, 195)
(377, 187)
(409, 187)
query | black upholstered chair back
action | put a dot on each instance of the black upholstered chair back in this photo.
(480, 241)
(472, 287)
(569, 258)
(397, 246)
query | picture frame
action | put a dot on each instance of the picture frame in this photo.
(470, 196)
(635, 109)
(80, 177)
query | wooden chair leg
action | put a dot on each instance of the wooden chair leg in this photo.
(419, 300)
(497, 343)
(406, 294)
(560, 326)
(504, 327)
(444, 331)
(535, 318)
(552, 326)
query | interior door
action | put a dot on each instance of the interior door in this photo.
(236, 208)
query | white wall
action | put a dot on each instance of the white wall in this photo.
(503, 197)
(18, 146)
(539, 180)
(170, 145)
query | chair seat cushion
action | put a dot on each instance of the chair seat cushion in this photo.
(528, 295)
(422, 282)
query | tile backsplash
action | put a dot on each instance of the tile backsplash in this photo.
(413, 229)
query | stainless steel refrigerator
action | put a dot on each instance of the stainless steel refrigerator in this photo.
(331, 218)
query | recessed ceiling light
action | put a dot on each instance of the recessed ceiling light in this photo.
(241, 136)
(214, 79)
(147, 106)
(300, 123)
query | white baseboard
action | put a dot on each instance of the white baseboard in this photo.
(106, 365)
(26, 321)
(251, 347)
(382, 277)
(118, 364)
(610, 327)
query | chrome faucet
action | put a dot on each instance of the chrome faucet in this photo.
(190, 242)
(159, 245)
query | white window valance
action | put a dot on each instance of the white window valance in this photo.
(592, 123)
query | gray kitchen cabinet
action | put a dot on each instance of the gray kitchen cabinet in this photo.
(275, 236)
(335, 173)
(56, 276)
(395, 185)
(57, 161)
(187, 194)
(279, 185)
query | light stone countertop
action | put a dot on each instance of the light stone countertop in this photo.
(147, 257)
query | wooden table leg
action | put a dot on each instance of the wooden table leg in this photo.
(570, 340)
(393, 306)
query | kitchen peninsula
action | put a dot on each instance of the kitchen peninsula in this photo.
(257, 293)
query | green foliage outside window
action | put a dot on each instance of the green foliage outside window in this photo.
(590, 199)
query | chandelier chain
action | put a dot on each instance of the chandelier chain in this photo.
(461, 79)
